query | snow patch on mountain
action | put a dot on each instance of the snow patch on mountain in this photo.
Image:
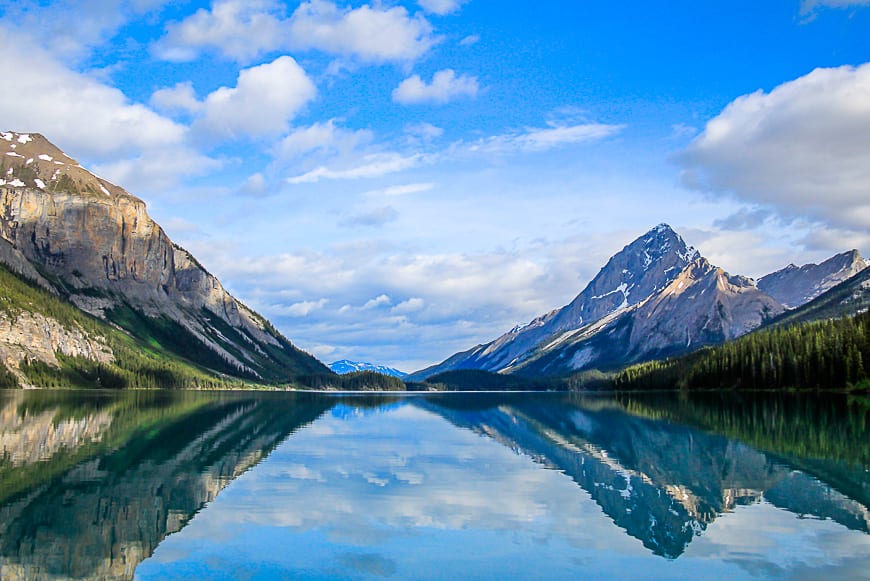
(346, 366)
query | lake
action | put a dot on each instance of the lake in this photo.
(166, 485)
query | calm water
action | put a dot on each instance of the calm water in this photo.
(270, 486)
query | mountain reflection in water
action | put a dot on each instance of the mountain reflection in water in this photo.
(92, 483)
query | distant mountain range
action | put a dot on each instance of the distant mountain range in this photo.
(655, 298)
(346, 366)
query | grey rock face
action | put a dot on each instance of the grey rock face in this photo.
(639, 270)
(703, 306)
(794, 286)
(657, 297)
(94, 238)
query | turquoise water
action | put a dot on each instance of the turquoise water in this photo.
(271, 486)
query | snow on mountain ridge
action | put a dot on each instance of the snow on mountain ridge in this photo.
(794, 286)
(344, 366)
(639, 270)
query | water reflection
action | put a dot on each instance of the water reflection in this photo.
(664, 482)
(91, 483)
(438, 486)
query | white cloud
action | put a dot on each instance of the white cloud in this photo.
(412, 305)
(95, 22)
(301, 309)
(825, 239)
(422, 319)
(423, 131)
(125, 142)
(322, 137)
(469, 40)
(84, 114)
(399, 190)
(243, 30)
(808, 6)
(157, 169)
(802, 148)
(441, 7)
(239, 29)
(180, 98)
(255, 184)
(368, 33)
(445, 86)
(264, 100)
(543, 139)
(370, 166)
(381, 300)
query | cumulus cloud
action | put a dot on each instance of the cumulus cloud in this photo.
(157, 169)
(126, 142)
(423, 131)
(96, 22)
(416, 295)
(445, 87)
(369, 33)
(263, 102)
(302, 308)
(180, 98)
(243, 30)
(441, 7)
(94, 118)
(325, 137)
(239, 29)
(411, 305)
(265, 99)
(801, 149)
(255, 185)
(379, 301)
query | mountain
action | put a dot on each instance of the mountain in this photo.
(91, 244)
(702, 306)
(794, 286)
(654, 298)
(346, 366)
(640, 269)
(850, 297)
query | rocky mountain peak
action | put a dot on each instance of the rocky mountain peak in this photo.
(29, 160)
(794, 286)
(641, 268)
(344, 366)
(94, 244)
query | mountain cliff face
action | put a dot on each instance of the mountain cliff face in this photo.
(656, 297)
(93, 244)
(795, 286)
(639, 270)
(848, 298)
(702, 306)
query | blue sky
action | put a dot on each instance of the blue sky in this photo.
(397, 181)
